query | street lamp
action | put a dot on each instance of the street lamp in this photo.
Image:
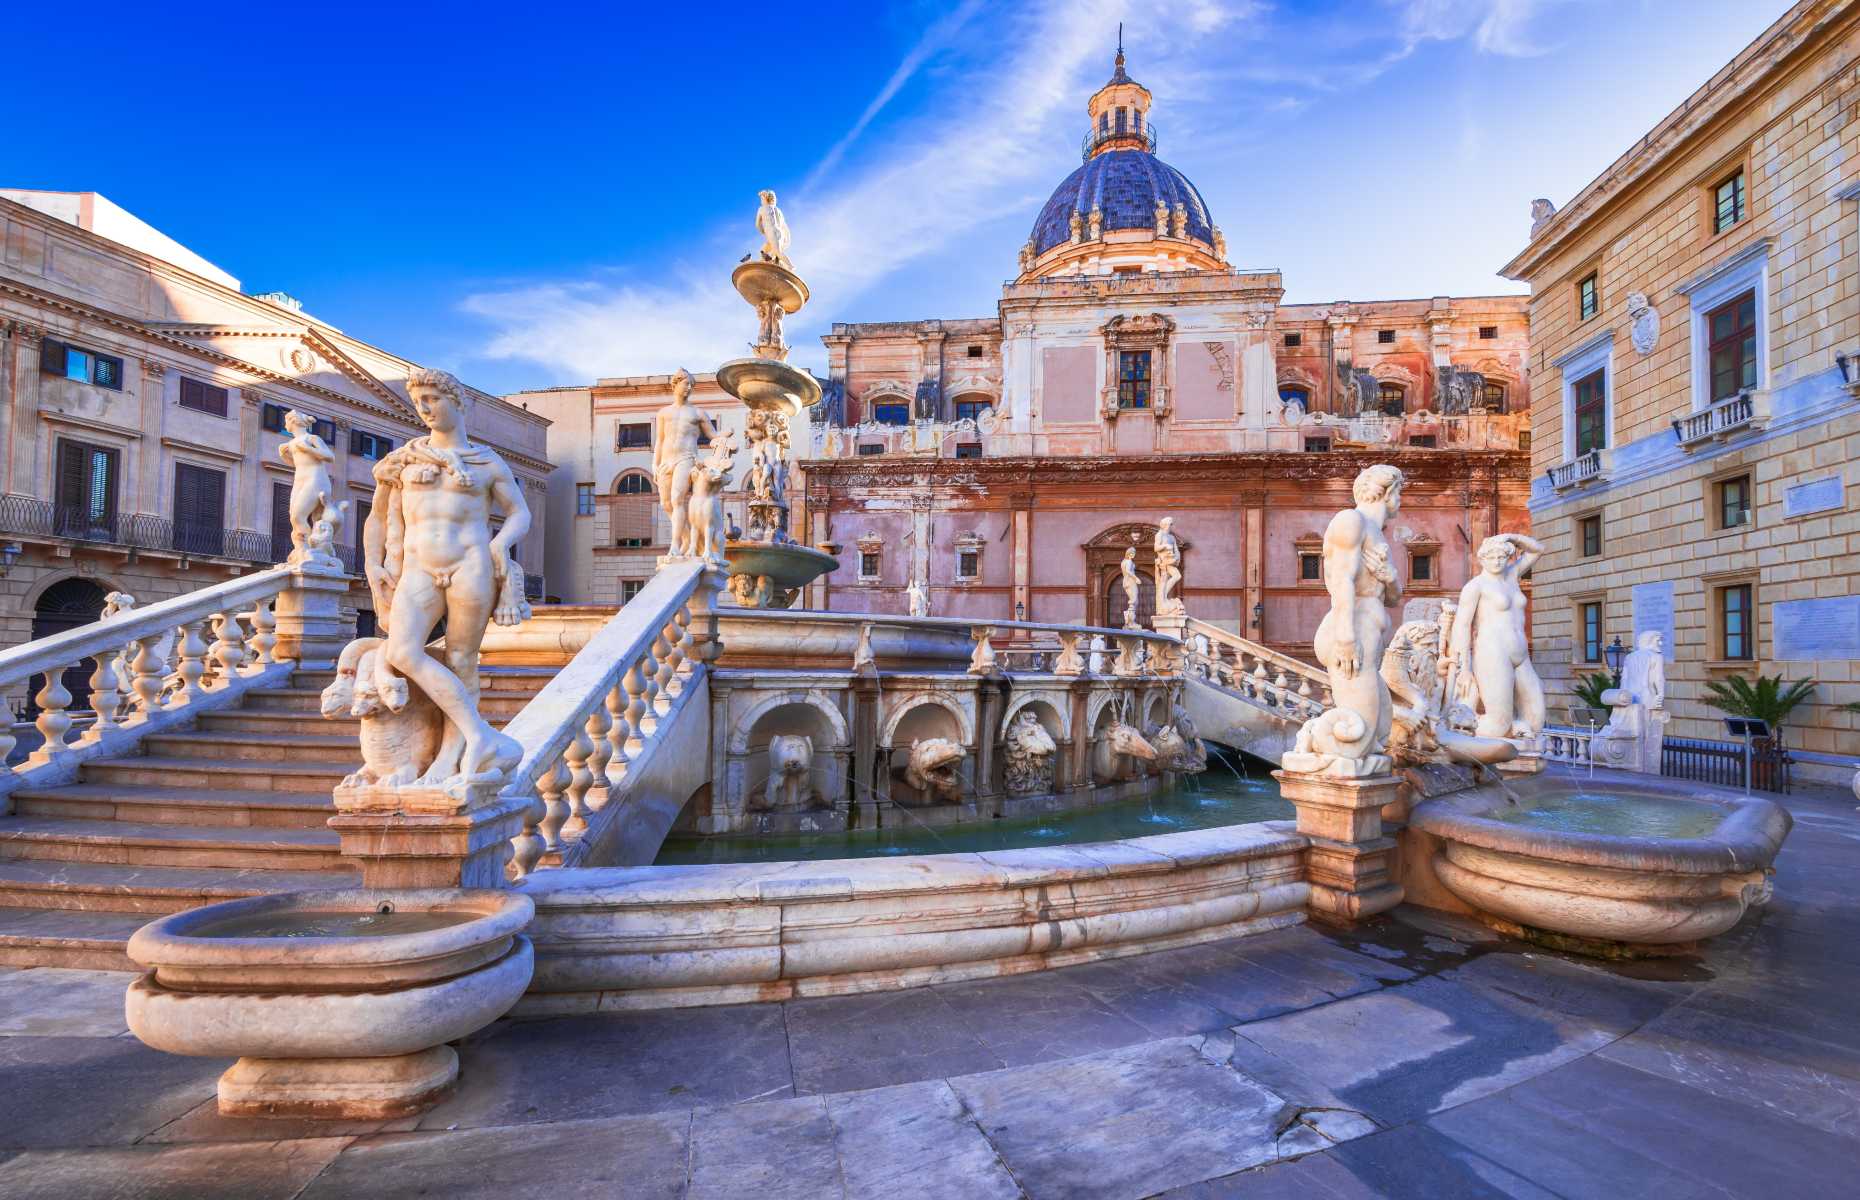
(1614, 654)
(1259, 612)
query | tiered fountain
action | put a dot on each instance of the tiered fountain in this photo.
(766, 564)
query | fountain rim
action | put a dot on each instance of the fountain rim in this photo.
(757, 279)
(896, 620)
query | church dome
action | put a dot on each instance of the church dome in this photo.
(1124, 185)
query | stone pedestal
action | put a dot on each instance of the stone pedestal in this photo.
(311, 631)
(1173, 625)
(1350, 863)
(423, 838)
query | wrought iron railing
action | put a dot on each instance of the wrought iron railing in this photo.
(24, 516)
(1706, 761)
(1144, 135)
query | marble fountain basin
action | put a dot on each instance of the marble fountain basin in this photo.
(336, 1003)
(1609, 866)
(787, 564)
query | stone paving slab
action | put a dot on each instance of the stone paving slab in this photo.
(253, 1171)
(67, 1092)
(850, 1043)
(915, 1142)
(61, 1002)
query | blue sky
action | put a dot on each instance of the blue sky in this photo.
(538, 194)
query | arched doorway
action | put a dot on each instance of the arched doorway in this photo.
(67, 604)
(1104, 585)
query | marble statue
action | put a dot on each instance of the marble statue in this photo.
(309, 458)
(1541, 212)
(770, 342)
(393, 743)
(774, 230)
(918, 597)
(1178, 744)
(1490, 642)
(1178, 220)
(1026, 256)
(1077, 226)
(933, 769)
(430, 554)
(1162, 217)
(1133, 587)
(1636, 728)
(705, 519)
(791, 761)
(1094, 223)
(1168, 569)
(1644, 328)
(1349, 739)
(677, 429)
(1126, 739)
(863, 658)
(1220, 244)
(1027, 755)
(1411, 667)
(117, 604)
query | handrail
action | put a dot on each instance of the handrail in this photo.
(607, 708)
(1224, 664)
(1257, 650)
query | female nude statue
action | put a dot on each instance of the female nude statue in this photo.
(1490, 643)
(1133, 587)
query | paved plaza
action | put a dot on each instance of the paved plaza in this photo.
(1412, 1058)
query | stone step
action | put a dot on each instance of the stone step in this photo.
(56, 839)
(266, 722)
(177, 806)
(151, 891)
(90, 941)
(269, 748)
(170, 772)
(497, 706)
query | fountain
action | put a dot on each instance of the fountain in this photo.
(766, 564)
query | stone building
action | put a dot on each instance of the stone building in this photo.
(1129, 373)
(1695, 318)
(142, 395)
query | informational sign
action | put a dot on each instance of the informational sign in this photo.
(1816, 495)
(1807, 630)
(1653, 612)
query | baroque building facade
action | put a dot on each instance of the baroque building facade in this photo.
(142, 395)
(1695, 341)
(1130, 373)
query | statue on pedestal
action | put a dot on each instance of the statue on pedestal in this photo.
(1349, 739)
(677, 429)
(1636, 727)
(918, 597)
(774, 230)
(429, 554)
(315, 521)
(1168, 569)
(1133, 587)
(1489, 640)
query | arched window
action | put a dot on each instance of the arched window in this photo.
(633, 513)
(633, 483)
(1104, 121)
(1296, 395)
(1494, 397)
(1120, 120)
(1392, 399)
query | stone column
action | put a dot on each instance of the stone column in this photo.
(1350, 860)
(1023, 558)
(1080, 769)
(865, 751)
(311, 631)
(1253, 553)
(988, 705)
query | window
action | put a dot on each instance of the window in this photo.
(87, 477)
(968, 564)
(1310, 568)
(1591, 412)
(1104, 121)
(281, 522)
(1524, 440)
(868, 564)
(1136, 269)
(968, 449)
(1734, 502)
(81, 366)
(1728, 202)
(1391, 399)
(975, 351)
(369, 445)
(362, 509)
(1495, 397)
(1120, 120)
(1589, 533)
(1294, 340)
(584, 499)
(630, 588)
(1733, 330)
(1133, 379)
(203, 397)
(1488, 332)
(1421, 568)
(1588, 299)
(1590, 612)
(271, 418)
(972, 410)
(894, 413)
(633, 484)
(871, 448)
(1424, 441)
(633, 435)
(1736, 627)
(1296, 395)
(199, 509)
(1317, 445)
(1385, 337)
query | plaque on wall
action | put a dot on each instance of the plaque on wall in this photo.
(1816, 495)
(1807, 630)
(1653, 612)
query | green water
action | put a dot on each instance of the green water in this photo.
(333, 924)
(1216, 798)
(1621, 816)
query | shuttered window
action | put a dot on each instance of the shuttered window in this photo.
(280, 522)
(83, 366)
(86, 491)
(203, 397)
(199, 509)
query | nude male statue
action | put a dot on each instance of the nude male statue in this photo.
(1490, 641)
(676, 430)
(428, 553)
(1168, 553)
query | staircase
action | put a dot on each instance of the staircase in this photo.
(1245, 694)
(235, 806)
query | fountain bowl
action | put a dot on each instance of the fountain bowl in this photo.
(769, 384)
(788, 565)
(1611, 867)
(336, 1003)
(758, 280)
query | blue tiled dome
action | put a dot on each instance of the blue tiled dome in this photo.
(1125, 184)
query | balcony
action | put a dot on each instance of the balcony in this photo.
(1579, 472)
(1748, 410)
(1141, 138)
(25, 517)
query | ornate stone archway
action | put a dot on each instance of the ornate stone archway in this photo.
(1104, 592)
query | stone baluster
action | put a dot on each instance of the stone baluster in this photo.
(527, 847)
(599, 722)
(670, 684)
(1070, 662)
(619, 732)
(1259, 680)
(578, 757)
(982, 661)
(686, 642)
(229, 649)
(54, 721)
(636, 681)
(552, 786)
(106, 696)
(1279, 689)
(192, 651)
(648, 667)
(264, 636)
(151, 668)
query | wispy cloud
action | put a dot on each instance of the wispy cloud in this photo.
(1493, 26)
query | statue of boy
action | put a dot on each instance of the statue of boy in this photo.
(309, 458)
(429, 553)
(677, 429)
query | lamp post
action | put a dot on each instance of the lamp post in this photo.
(1615, 653)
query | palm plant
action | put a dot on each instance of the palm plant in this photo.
(1770, 699)
(1589, 688)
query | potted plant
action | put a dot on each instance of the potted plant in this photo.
(1588, 691)
(1769, 698)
